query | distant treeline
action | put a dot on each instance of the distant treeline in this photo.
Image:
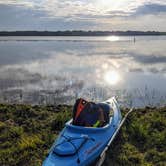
(79, 33)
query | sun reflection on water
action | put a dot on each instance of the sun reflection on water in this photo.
(112, 38)
(112, 77)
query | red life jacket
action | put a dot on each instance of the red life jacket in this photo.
(80, 105)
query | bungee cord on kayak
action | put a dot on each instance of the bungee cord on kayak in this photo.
(69, 140)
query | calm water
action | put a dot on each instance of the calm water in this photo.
(59, 69)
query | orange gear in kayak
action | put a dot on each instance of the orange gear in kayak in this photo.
(80, 107)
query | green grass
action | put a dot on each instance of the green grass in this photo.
(27, 132)
(141, 141)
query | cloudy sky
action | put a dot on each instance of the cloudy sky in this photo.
(83, 15)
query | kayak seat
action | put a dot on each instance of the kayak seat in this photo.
(69, 146)
(89, 114)
(106, 110)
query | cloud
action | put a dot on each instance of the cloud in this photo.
(140, 57)
(21, 53)
(82, 14)
(72, 8)
(154, 70)
(163, 70)
(16, 77)
(142, 10)
(18, 3)
(150, 9)
(150, 59)
(136, 70)
(14, 17)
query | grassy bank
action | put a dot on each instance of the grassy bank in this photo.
(27, 132)
(141, 141)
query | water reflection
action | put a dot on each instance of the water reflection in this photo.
(112, 77)
(112, 38)
(63, 70)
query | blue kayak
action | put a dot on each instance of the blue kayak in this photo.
(81, 146)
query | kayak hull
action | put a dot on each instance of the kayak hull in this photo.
(80, 146)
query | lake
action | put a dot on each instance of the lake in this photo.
(51, 70)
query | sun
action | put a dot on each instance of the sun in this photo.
(112, 77)
(112, 5)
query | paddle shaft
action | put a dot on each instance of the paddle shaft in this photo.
(112, 138)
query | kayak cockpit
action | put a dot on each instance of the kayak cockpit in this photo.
(69, 125)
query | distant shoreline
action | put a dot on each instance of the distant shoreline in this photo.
(82, 33)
